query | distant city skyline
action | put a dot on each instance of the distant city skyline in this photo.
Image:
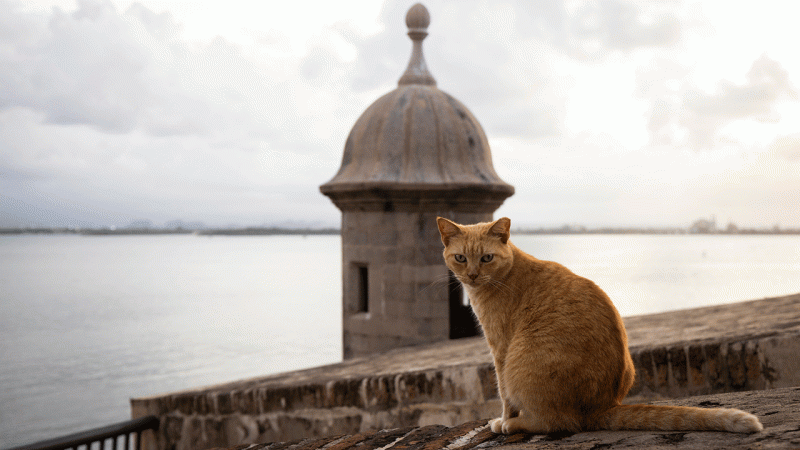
(700, 226)
(606, 114)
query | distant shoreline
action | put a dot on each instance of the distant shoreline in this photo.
(274, 231)
(252, 231)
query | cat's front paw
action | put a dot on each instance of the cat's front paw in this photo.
(496, 425)
(512, 426)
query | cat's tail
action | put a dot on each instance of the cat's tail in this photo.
(678, 418)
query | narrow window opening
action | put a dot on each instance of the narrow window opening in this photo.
(362, 304)
(462, 320)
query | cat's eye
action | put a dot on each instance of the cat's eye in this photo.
(487, 258)
(460, 258)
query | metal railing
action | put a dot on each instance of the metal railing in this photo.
(122, 431)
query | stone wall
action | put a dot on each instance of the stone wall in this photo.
(744, 346)
(408, 281)
(778, 410)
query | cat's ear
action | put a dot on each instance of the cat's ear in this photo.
(447, 229)
(501, 228)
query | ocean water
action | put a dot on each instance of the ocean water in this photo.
(646, 274)
(87, 322)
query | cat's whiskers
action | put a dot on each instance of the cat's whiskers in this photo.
(502, 286)
(443, 280)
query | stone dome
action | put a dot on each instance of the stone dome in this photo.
(416, 141)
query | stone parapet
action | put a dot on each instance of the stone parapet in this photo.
(724, 348)
(779, 411)
(736, 347)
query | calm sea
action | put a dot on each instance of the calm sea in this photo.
(86, 322)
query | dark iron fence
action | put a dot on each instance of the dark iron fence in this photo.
(129, 433)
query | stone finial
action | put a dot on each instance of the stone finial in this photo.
(417, 20)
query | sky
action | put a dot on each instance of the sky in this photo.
(605, 113)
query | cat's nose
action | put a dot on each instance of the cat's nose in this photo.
(472, 276)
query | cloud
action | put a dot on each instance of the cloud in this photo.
(596, 29)
(72, 176)
(120, 72)
(683, 114)
(787, 147)
(79, 69)
(118, 112)
(502, 59)
(766, 83)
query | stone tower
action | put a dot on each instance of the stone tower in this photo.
(416, 153)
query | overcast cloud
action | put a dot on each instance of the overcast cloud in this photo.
(599, 113)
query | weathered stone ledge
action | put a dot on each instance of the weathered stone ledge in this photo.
(728, 348)
(778, 409)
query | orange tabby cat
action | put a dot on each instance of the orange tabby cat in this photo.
(559, 346)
